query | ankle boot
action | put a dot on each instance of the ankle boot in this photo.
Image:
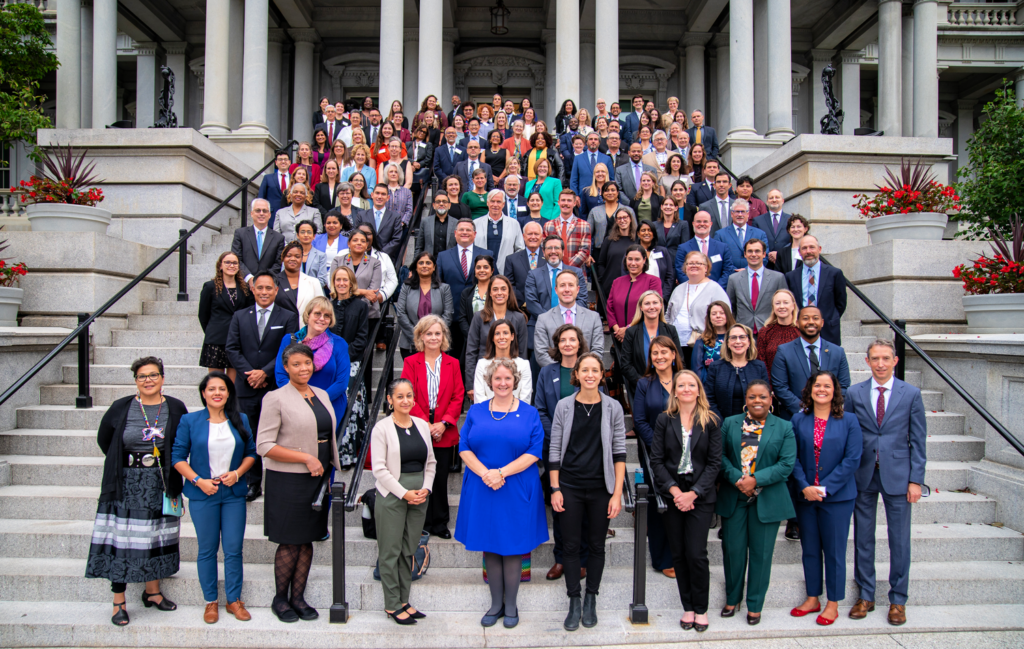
(590, 610)
(572, 620)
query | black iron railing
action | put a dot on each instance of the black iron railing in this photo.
(81, 332)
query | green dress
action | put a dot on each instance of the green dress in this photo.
(477, 203)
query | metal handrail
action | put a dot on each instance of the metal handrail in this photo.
(83, 325)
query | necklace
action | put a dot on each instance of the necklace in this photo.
(588, 410)
(151, 432)
(490, 409)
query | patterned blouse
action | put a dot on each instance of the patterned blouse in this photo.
(769, 339)
(750, 437)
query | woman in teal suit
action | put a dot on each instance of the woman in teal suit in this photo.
(758, 454)
(213, 449)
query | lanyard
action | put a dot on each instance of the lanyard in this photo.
(150, 433)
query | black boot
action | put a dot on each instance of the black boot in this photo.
(572, 620)
(590, 610)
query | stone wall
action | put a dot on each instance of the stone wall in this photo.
(20, 349)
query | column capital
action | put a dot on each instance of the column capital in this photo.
(549, 36)
(411, 34)
(277, 36)
(851, 56)
(1018, 76)
(693, 39)
(919, 2)
(821, 56)
(966, 104)
(798, 79)
(146, 48)
(720, 39)
(304, 35)
(588, 36)
(335, 71)
(176, 47)
(450, 35)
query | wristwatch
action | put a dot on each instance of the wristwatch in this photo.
(555, 489)
(195, 481)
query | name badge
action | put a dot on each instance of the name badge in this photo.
(521, 208)
(656, 255)
(716, 258)
(457, 150)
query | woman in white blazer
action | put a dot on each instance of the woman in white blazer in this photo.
(403, 467)
(295, 288)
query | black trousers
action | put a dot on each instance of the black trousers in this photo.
(687, 534)
(251, 407)
(438, 514)
(580, 504)
(368, 375)
(556, 524)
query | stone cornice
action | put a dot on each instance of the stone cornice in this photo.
(450, 35)
(691, 39)
(176, 48)
(304, 35)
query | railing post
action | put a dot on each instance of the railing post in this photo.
(84, 399)
(183, 267)
(638, 608)
(244, 208)
(339, 609)
(901, 349)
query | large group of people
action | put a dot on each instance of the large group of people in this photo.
(537, 243)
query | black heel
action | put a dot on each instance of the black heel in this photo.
(164, 604)
(121, 617)
(418, 615)
(406, 621)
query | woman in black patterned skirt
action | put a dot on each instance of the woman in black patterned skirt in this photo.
(226, 293)
(132, 539)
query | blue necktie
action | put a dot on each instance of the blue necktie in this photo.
(377, 215)
(554, 295)
(259, 243)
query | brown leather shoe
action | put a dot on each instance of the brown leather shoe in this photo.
(238, 610)
(210, 615)
(669, 572)
(555, 572)
(861, 609)
(897, 614)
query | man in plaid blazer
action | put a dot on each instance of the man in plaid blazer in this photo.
(574, 232)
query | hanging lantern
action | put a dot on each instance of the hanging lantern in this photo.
(499, 18)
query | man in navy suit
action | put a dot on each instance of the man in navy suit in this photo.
(736, 235)
(820, 285)
(722, 266)
(447, 155)
(330, 126)
(386, 224)
(582, 175)
(455, 268)
(519, 264)
(701, 134)
(892, 420)
(274, 187)
(474, 160)
(704, 191)
(515, 204)
(795, 360)
(254, 338)
(773, 224)
(258, 247)
(631, 121)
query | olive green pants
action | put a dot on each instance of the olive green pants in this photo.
(399, 526)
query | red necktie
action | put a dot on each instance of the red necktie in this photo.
(754, 291)
(330, 132)
(880, 406)
(565, 255)
(465, 265)
(284, 185)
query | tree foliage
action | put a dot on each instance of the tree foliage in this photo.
(995, 172)
(26, 57)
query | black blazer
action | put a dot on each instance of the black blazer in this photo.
(784, 260)
(705, 455)
(634, 363)
(666, 270)
(466, 308)
(352, 323)
(110, 437)
(247, 351)
(323, 197)
(720, 382)
(244, 246)
(517, 267)
(216, 311)
(390, 236)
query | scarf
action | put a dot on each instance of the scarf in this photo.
(322, 347)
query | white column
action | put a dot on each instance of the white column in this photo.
(890, 53)
(85, 65)
(69, 49)
(410, 83)
(741, 62)
(432, 40)
(721, 92)
(272, 92)
(850, 91)
(550, 63)
(780, 71)
(694, 43)
(146, 84)
(964, 129)
(177, 61)
(447, 67)
(567, 55)
(392, 24)
(926, 75)
(588, 72)
(907, 47)
(606, 57)
(104, 61)
(236, 52)
(760, 79)
(255, 77)
(215, 77)
(302, 100)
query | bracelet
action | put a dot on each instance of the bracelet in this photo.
(236, 475)
(555, 490)
(499, 474)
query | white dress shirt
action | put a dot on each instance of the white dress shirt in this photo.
(888, 390)
(565, 309)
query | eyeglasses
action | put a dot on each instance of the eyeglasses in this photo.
(229, 263)
(317, 315)
(737, 338)
(143, 378)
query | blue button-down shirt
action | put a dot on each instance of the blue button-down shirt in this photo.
(814, 270)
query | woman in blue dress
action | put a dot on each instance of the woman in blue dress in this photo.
(502, 505)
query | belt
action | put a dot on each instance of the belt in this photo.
(139, 460)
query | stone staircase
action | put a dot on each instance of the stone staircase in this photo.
(968, 574)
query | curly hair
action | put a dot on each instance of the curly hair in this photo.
(509, 365)
(807, 402)
(218, 276)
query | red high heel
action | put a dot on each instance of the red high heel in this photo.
(796, 612)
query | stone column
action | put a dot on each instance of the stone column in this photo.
(780, 71)
(819, 60)
(177, 61)
(681, 76)
(146, 84)
(255, 77)
(1018, 91)
(392, 24)
(215, 63)
(85, 65)
(907, 47)
(272, 92)
(606, 57)
(760, 78)
(890, 53)
(431, 75)
(694, 43)
(447, 67)
(410, 81)
(104, 63)
(302, 100)
(850, 91)
(236, 52)
(741, 62)
(721, 94)
(964, 129)
(567, 55)
(550, 63)
(69, 48)
(588, 72)
(926, 76)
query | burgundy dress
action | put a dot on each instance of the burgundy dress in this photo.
(768, 340)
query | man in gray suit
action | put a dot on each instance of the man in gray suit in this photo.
(892, 420)
(437, 228)
(627, 177)
(568, 311)
(751, 289)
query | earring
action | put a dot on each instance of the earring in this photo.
(744, 409)
(771, 409)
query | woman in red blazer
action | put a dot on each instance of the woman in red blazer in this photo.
(440, 407)
(627, 289)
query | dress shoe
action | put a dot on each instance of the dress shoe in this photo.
(305, 611)
(210, 615)
(796, 612)
(284, 611)
(418, 615)
(121, 617)
(824, 621)
(729, 612)
(687, 626)
(572, 620)
(792, 531)
(238, 610)
(444, 534)
(589, 617)
(163, 605)
(555, 572)
(254, 492)
(698, 627)
(511, 621)
(669, 572)
(610, 534)
(861, 609)
(491, 620)
(897, 614)
(753, 620)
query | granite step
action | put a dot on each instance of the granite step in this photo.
(171, 295)
(103, 395)
(124, 356)
(165, 308)
(162, 323)
(158, 339)
(118, 374)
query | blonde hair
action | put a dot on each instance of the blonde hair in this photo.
(594, 190)
(508, 364)
(751, 351)
(580, 118)
(774, 320)
(426, 322)
(353, 284)
(638, 317)
(703, 258)
(365, 149)
(324, 304)
(702, 413)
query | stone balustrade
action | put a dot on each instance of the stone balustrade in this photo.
(977, 14)
(10, 204)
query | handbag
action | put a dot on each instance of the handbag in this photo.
(172, 506)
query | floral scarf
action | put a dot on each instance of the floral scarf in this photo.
(322, 347)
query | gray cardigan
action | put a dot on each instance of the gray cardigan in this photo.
(409, 303)
(613, 435)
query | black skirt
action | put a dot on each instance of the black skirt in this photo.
(288, 516)
(214, 356)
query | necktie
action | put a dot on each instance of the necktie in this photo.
(451, 152)
(739, 234)
(472, 168)
(284, 184)
(568, 316)
(812, 292)
(377, 216)
(517, 148)
(533, 260)
(696, 134)
(373, 134)
(259, 244)
(465, 265)
(262, 323)
(775, 222)
(554, 295)
(565, 239)
(593, 159)
(755, 290)
(704, 247)
(880, 406)
(812, 356)
(330, 131)
(512, 209)
(723, 212)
